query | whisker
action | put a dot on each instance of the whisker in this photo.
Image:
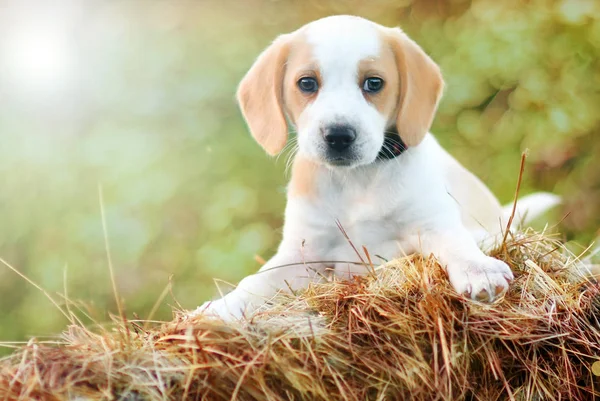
(290, 158)
(290, 163)
(387, 149)
(289, 145)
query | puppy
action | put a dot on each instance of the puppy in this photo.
(362, 98)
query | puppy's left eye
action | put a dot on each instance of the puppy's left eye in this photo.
(373, 85)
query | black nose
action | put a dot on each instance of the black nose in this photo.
(339, 137)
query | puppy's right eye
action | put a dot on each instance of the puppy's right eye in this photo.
(308, 85)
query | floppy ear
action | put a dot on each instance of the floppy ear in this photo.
(421, 87)
(260, 97)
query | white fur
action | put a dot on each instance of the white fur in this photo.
(422, 201)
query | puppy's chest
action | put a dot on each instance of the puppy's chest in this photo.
(367, 216)
(362, 202)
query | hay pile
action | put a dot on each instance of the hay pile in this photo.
(400, 334)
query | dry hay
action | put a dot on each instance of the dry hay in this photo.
(401, 333)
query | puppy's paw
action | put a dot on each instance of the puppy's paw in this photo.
(224, 309)
(482, 280)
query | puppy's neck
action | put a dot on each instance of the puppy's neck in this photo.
(304, 178)
(307, 175)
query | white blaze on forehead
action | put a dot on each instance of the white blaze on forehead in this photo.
(338, 45)
(341, 42)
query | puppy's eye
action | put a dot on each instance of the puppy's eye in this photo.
(308, 85)
(373, 85)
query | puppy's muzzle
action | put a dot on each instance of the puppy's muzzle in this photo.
(339, 137)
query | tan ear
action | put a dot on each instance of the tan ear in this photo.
(421, 87)
(260, 97)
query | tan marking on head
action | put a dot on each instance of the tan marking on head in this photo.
(300, 64)
(384, 67)
(420, 86)
(303, 182)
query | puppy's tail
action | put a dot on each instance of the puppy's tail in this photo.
(530, 207)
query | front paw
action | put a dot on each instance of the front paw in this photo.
(224, 309)
(482, 280)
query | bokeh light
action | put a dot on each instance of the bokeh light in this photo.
(38, 50)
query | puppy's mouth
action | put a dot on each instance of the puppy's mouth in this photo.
(340, 161)
(347, 158)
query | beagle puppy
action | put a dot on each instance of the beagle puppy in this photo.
(362, 98)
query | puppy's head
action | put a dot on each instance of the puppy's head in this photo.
(344, 83)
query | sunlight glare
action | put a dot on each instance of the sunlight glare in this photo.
(36, 56)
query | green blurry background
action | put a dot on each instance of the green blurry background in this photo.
(138, 97)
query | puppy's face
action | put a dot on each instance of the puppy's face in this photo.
(340, 91)
(343, 82)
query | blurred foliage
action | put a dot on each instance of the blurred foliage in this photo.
(146, 111)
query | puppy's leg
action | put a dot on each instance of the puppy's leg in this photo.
(471, 272)
(286, 270)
